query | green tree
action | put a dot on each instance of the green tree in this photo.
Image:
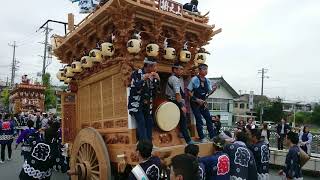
(274, 112)
(302, 118)
(50, 97)
(5, 94)
(315, 116)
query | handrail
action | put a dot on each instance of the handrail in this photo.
(154, 3)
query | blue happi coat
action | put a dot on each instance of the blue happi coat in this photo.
(261, 156)
(151, 167)
(141, 91)
(6, 132)
(292, 167)
(217, 166)
(242, 163)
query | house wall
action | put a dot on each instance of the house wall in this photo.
(222, 95)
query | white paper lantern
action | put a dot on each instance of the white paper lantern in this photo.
(170, 53)
(134, 46)
(68, 71)
(200, 58)
(76, 67)
(185, 56)
(107, 49)
(152, 50)
(86, 62)
(96, 55)
(60, 75)
(67, 80)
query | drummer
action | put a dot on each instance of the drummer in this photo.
(143, 87)
(175, 93)
(199, 87)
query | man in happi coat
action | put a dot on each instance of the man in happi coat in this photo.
(260, 150)
(149, 167)
(143, 88)
(217, 165)
(242, 162)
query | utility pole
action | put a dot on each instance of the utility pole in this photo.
(263, 72)
(13, 65)
(47, 30)
(44, 63)
(7, 82)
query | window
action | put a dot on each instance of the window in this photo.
(218, 104)
(241, 106)
(236, 105)
(247, 106)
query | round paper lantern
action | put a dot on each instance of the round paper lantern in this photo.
(169, 53)
(76, 67)
(86, 62)
(134, 46)
(185, 56)
(200, 58)
(96, 55)
(67, 80)
(152, 50)
(68, 71)
(107, 49)
(60, 75)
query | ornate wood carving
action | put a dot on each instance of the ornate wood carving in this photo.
(121, 123)
(108, 124)
(96, 125)
(116, 138)
(69, 122)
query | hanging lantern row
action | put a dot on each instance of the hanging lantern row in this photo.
(134, 45)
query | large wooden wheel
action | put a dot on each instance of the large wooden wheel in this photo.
(89, 159)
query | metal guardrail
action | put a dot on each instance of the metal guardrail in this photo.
(315, 145)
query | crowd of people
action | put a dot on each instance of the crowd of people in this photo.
(40, 140)
(242, 156)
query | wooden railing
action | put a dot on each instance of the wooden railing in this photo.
(154, 4)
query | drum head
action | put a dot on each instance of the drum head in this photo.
(167, 116)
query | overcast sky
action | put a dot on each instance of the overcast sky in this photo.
(280, 35)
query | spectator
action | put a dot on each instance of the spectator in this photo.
(250, 125)
(282, 129)
(241, 125)
(149, 166)
(184, 167)
(306, 140)
(217, 123)
(265, 133)
(217, 166)
(193, 150)
(6, 137)
(292, 169)
(44, 121)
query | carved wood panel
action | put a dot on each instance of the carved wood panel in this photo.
(69, 122)
(119, 97)
(84, 104)
(107, 99)
(95, 101)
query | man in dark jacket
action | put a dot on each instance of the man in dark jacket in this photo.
(282, 130)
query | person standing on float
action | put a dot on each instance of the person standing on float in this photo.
(175, 93)
(143, 87)
(199, 87)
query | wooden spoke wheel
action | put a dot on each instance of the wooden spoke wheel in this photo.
(89, 159)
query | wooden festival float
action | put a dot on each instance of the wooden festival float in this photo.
(27, 97)
(99, 55)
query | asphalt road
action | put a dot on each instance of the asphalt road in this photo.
(10, 170)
